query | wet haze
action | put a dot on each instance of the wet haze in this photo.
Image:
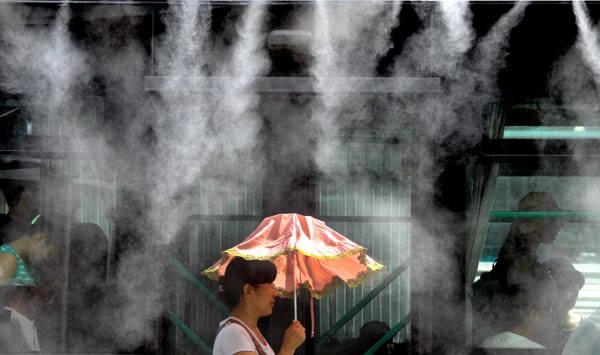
(214, 136)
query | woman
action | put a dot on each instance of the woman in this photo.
(247, 290)
(517, 255)
(16, 256)
(18, 332)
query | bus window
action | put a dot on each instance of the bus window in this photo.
(542, 219)
(71, 203)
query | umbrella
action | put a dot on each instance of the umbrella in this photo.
(307, 254)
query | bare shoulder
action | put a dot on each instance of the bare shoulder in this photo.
(8, 264)
(8, 257)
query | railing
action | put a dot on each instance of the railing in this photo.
(189, 333)
(362, 303)
(198, 285)
(179, 322)
(501, 216)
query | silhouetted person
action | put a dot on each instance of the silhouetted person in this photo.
(526, 235)
(87, 328)
(526, 310)
(89, 317)
(519, 250)
(369, 335)
(23, 205)
(569, 282)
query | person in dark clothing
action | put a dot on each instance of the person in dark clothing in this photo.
(87, 328)
(519, 252)
(369, 335)
(527, 312)
(23, 205)
(569, 282)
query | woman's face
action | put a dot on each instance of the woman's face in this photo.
(565, 300)
(39, 250)
(264, 298)
(543, 330)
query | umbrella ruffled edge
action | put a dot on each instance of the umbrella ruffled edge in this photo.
(213, 272)
(361, 277)
(234, 252)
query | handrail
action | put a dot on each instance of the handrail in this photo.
(389, 335)
(507, 215)
(198, 285)
(189, 333)
(362, 303)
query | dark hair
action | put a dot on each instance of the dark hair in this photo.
(12, 193)
(39, 224)
(520, 299)
(240, 272)
(89, 252)
(370, 333)
(564, 273)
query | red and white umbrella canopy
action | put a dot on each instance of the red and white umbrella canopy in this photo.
(306, 252)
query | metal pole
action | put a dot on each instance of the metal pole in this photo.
(67, 259)
(152, 46)
(295, 298)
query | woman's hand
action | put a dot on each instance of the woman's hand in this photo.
(294, 336)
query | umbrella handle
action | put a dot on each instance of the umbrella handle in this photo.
(295, 298)
(295, 306)
(312, 317)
